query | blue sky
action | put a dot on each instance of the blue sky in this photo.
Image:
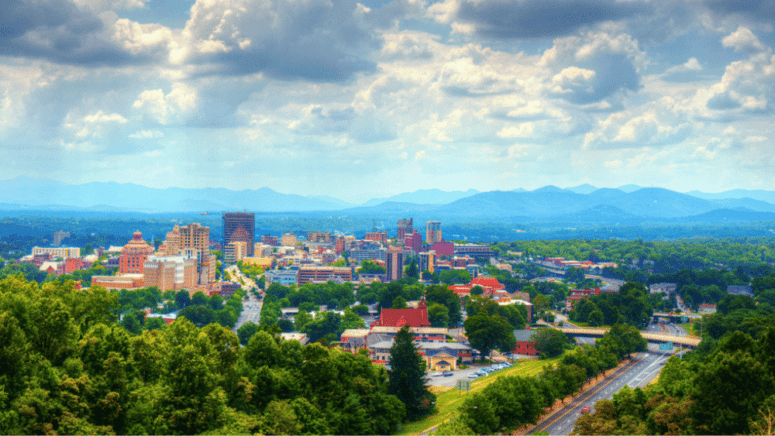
(361, 100)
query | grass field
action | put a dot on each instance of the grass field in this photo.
(449, 402)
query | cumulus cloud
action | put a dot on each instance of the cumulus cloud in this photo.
(92, 125)
(743, 40)
(655, 124)
(147, 134)
(602, 65)
(166, 109)
(306, 39)
(60, 32)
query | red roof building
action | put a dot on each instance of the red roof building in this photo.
(578, 294)
(489, 284)
(400, 317)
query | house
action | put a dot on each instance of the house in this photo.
(295, 336)
(740, 290)
(525, 342)
(437, 355)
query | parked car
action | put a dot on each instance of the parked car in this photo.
(473, 375)
(585, 409)
(447, 373)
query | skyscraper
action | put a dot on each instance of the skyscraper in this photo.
(404, 228)
(240, 227)
(432, 232)
(395, 264)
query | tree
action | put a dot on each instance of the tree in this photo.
(477, 290)
(286, 325)
(438, 315)
(489, 332)
(199, 299)
(399, 303)
(216, 302)
(411, 270)
(246, 331)
(182, 299)
(445, 296)
(199, 315)
(549, 342)
(369, 267)
(406, 377)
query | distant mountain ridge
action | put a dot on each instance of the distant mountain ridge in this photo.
(580, 204)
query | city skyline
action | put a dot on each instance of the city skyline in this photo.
(335, 98)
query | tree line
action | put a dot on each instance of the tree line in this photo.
(511, 402)
(68, 367)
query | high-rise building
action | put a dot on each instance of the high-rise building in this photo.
(134, 254)
(432, 232)
(394, 264)
(339, 245)
(170, 272)
(196, 236)
(414, 241)
(427, 261)
(404, 228)
(240, 226)
(235, 251)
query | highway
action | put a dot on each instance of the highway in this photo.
(638, 373)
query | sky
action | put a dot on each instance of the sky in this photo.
(361, 100)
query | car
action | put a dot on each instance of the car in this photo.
(447, 373)
(585, 409)
(473, 375)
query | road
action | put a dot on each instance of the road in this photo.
(251, 309)
(638, 373)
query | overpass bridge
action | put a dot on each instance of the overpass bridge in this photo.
(675, 317)
(654, 338)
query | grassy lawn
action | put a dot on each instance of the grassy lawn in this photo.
(449, 402)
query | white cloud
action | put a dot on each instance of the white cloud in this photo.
(743, 40)
(142, 38)
(519, 131)
(166, 109)
(147, 134)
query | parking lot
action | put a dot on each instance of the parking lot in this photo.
(436, 379)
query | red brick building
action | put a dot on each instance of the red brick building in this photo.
(134, 254)
(400, 317)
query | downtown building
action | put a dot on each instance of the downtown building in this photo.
(432, 232)
(240, 227)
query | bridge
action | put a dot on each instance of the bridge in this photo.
(675, 317)
(685, 341)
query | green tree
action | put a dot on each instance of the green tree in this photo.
(438, 315)
(411, 270)
(246, 331)
(489, 332)
(406, 377)
(399, 303)
(182, 299)
(445, 296)
(369, 267)
(477, 290)
(199, 299)
(549, 342)
(216, 302)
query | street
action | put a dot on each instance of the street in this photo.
(251, 309)
(638, 373)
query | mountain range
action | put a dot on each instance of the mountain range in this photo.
(584, 203)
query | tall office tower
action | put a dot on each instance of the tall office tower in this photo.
(404, 228)
(432, 232)
(196, 236)
(427, 261)
(244, 225)
(394, 264)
